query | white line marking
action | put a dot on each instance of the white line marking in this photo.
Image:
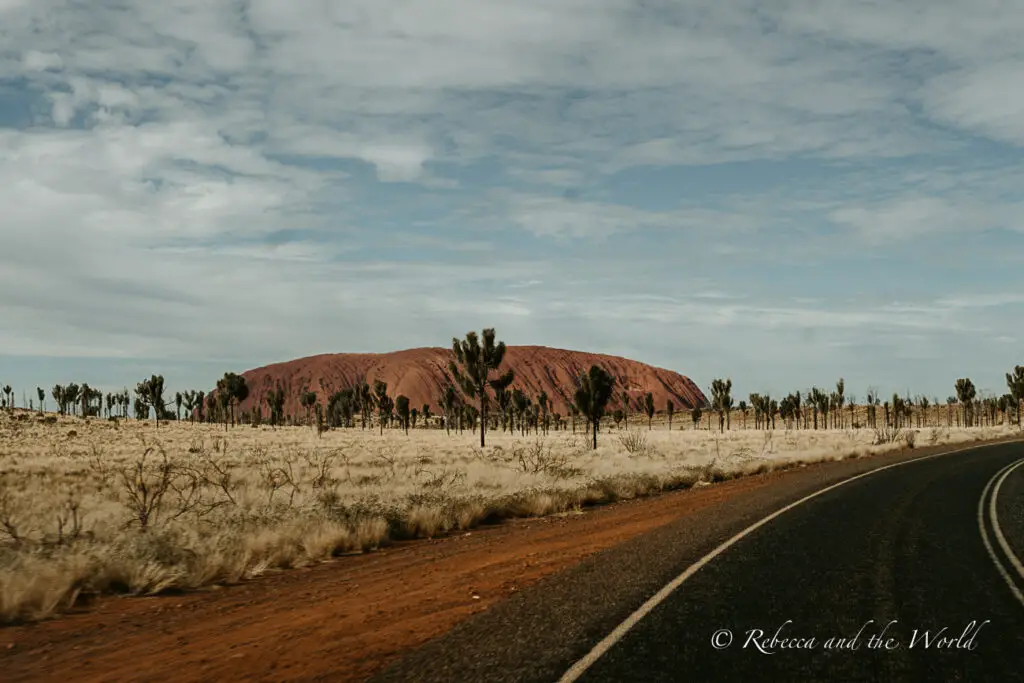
(999, 477)
(633, 619)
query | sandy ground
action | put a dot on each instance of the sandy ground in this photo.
(342, 620)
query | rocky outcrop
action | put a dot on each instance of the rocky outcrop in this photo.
(421, 374)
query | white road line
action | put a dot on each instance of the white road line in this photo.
(578, 669)
(998, 478)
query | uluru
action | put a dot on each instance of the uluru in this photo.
(421, 374)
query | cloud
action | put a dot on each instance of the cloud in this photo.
(224, 180)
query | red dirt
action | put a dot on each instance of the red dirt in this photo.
(421, 375)
(343, 620)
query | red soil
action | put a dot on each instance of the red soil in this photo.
(421, 374)
(339, 621)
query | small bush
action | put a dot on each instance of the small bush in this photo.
(635, 442)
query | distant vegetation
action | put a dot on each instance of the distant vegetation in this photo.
(480, 396)
(123, 504)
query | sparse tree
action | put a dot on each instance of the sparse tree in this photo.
(819, 403)
(839, 399)
(721, 399)
(695, 415)
(670, 407)
(595, 389)
(965, 393)
(178, 400)
(307, 400)
(234, 389)
(42, 399)
(472, 369)
(151, 393)
(624, 397)
(385, 404)
(1015, 383)
(648, 408)
(275, 401)
(542, 404)
(449, 401)
(402, 408)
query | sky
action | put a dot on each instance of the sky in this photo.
(782, 192)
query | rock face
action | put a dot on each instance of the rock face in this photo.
(422, 374)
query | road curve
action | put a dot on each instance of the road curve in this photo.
(896, 553)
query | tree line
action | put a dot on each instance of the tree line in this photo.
(478, 394)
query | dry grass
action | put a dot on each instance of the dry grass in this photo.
(92, 507)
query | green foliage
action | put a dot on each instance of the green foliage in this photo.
(385, 404)
(234, 390)
(472, 368)
(402, 408)
(721, 400)
(649, 407)
(591, 398)
(1015, 383)
(151, 393)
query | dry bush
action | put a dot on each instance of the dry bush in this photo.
(634, 442)
(131, 509)
(887, 434)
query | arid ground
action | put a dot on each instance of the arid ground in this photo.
(211, 521)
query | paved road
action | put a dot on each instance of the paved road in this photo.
(901, 544)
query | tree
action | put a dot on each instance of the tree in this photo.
(839, 398)
(211, 407)
(624, 397)
(520, 403)
(449, 399)
(1015, 383)
(385, 404)
(426, 415)
(307, 400)
(617, 416)
(402, 408)
(595, 389)
(275, 401)
(141, 408)
(670, 407)
(42, 398)
(151, 393)
(235, 390)
(965, 393)
(721, 399)
(188, 399)
(648, 408)
(695, 415)
(178, 400)
(85, 396)
(743, 410)
(472, 368)
(8, 392)
(542, 403)
(819, 402)
(319, 419)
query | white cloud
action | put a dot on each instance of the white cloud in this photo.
(157, 150)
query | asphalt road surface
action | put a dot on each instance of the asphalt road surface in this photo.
(897, 575)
